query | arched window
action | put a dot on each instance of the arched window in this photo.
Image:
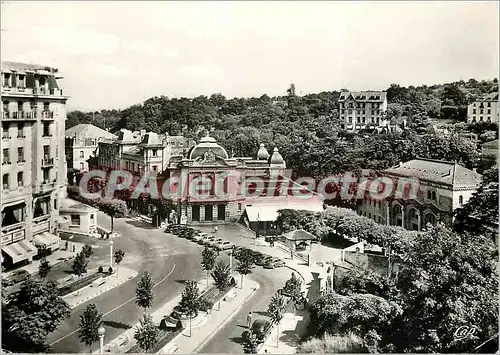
(434, 195)
(413, 213)
(430, 218)
(429, 194)
(461, 199)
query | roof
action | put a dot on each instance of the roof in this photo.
(23, 67)
(299, 234)
(151, 139)
(86, 130)
(68, 204)
(490, 97)
(126, 136)
(438, 171)
(208, 145)
(268, 212)
(364, 96)
(490, 144)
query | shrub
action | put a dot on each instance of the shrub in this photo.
(206, 305)
(85, 281)
(100, 270)
(349, 343)
(110, 270)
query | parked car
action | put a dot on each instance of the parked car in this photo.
(225, 245)
(210, 240)
(16, 277)
(204, 239)
(259, 328)
(215, 242)
(278, 263)
(264, 260)
(197, 237)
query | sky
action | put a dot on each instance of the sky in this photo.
(118, 53)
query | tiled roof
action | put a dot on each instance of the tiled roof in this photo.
(88, 131)
(364, 96)
(16, 66)
(299, 234)
(438, 171)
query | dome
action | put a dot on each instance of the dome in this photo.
(262, 154)
(207, 145)
(151, 138)
(276, 158)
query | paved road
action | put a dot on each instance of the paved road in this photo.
(169, 259)
(228, 338)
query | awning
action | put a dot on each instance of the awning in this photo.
(269, 212)
(49, 240)
(20, 251)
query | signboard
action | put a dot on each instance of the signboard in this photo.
(183, 219)
(18, 236)
(7, 239)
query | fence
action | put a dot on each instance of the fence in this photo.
(286, 249)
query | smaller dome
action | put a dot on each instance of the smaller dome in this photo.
(276, 158)
(207, 145)
(262, 154)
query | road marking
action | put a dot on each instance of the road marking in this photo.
(114, 309)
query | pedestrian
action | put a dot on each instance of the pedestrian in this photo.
(249, 320)
(265, 351)
(216, 229)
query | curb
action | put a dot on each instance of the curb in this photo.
(228, 318)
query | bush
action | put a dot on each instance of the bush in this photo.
(232, 282)
(110, 270)
(349, 343)
(206, 305)
(100, 270)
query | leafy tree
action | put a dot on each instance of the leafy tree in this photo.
(144, 296)
(30, 315)
(114, 208)
(245, 263)
(292, 286)
(146, 333)
(221, 276)
(44, 268)
(250, 342)
(209, 256)
(90, 321)
(87, 251)
(119, 255)
(79, 265)
(275, 310)
(190, 301)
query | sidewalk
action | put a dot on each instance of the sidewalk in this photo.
(292, 329)
(87, 293)
(55, 258)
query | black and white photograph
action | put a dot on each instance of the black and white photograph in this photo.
(249, 177)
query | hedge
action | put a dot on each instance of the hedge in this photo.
(166, 336)
(65, 290)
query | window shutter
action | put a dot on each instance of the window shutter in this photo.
(30, 80)
(52, 83)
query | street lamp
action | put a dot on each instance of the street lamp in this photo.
(101, 332)
(111, 254)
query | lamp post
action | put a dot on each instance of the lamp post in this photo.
(101, 332)
(258, 225)
(111, 254)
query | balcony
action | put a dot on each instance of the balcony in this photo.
(47, 91)
(47, 115)
(47, 162)
(18, 115)
(45, 186)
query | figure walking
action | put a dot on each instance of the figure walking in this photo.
(249, 320)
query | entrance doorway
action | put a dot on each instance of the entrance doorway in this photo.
(195, 210)
(221, 212)
(209, 212)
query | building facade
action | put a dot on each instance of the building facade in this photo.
(362, 110)
(443, 187)
(486, 109)
(32, 162)
(81, 144)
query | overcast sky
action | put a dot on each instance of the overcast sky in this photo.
(118, 53)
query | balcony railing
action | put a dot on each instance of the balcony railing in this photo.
(19, 115)
(47, 162)
(47, 115)
(47, 91)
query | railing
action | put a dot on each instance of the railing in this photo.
(47, 161)
(18, 115)
(47, 115)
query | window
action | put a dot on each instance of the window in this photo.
(239, 206)
(75, 220)
(474, 111)
(32, 105)
(82, 154)
(5, 128)
(6, 79)
(434, 195)
(461, 199)
(19, 105)
(133, 167)
(46, 175)
(82, 166)
(369, 215)
(13, 214)
(6, 157)
(489, 111)
(46, 129)
(481, 119)
(20, 130)
(20, 81)
(91, 216)
(41, 207)
(5, 181)
(489, 104)
(20, 180)
(46, 151)
(155, 152)
(55, 203)
(46, 106)
(481, 111)
(429, 195)
(20, 155)
(155, 168)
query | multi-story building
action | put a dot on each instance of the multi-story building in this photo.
(362, 110)
(32, 162)
(486, 109)
(442, 187)
(81, 144)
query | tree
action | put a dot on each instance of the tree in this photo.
(114, 208)
(293, 289)
(87, 251)
(79, 265)
(90, 320)
(30, 315)
(275, 310)
(44, 268)
(209, 256)
(144, 296)
(146, 333)
(250, 342)
(221, 276)
(190, 301)
(119, 255)
(245, 263)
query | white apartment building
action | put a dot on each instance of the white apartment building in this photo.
(32, 161)
(486, 109)
(362, 110)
